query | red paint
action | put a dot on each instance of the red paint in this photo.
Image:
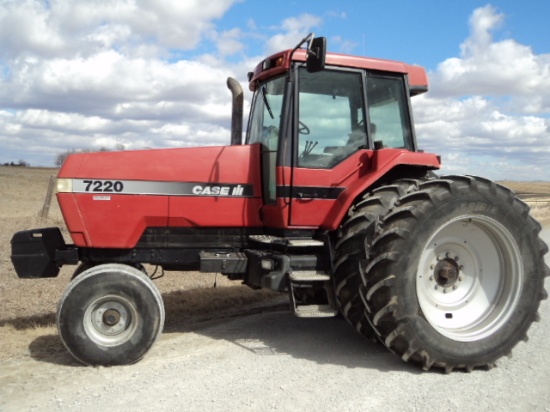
(113, 220)
(416, 74)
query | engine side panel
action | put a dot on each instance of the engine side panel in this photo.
(117, 195)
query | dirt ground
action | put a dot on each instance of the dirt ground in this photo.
(28, 336)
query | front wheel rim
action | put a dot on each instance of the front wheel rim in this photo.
(469, 278)
(110, 320)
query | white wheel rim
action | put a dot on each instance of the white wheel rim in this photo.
(469, 278)
(110, 320)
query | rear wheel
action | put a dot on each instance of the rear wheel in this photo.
(110, 315)
(456, 274)
(350, 249)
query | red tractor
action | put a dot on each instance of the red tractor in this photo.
(329, 200)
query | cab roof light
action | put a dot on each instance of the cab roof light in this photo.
(272, 63)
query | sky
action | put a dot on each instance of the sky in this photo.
(87, 74)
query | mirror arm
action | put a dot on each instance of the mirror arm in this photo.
(308, 39)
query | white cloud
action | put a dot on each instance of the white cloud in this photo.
(64, 28)
(292, 31)
(229, 42)
(92, 73)
(487, 109)
(486, 67)
(106, 82)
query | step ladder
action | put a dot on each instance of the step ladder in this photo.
(310, 279)
(304, 284)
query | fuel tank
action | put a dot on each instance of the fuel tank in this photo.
(108, 199)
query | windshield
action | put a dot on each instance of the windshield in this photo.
(263, 128)
(265, 121)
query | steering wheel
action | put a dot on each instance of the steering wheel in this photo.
(302, 128)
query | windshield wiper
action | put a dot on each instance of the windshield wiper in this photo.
(266, 102)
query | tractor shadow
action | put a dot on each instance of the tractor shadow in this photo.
(267, 328)
(263, 326)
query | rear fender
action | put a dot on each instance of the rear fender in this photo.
(380, 165)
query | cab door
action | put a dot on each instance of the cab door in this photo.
(330, 135)
(340, 115)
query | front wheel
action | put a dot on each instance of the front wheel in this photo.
(110, 315)
(456, 274)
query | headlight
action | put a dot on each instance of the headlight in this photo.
(64, 185)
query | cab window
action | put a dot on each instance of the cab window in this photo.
(388, 112)
(331, 125)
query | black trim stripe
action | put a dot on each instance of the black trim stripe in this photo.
(309, 192)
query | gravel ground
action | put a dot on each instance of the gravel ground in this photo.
(271, 360)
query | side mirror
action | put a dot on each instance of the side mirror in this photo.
(316, 54)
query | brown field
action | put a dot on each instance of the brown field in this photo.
(27, 307)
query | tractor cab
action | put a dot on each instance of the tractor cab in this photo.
(319, 118)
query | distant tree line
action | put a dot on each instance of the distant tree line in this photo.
(60, 158)
(20, 163)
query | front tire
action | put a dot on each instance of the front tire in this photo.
(456, 274)
(110, 315)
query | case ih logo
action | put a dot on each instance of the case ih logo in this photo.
(202, 190)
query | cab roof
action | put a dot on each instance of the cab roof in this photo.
(280, 63)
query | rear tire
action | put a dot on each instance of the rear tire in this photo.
(110, 314)
(350, 249)
(456, 274)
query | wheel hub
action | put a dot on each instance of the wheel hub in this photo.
(110, 320)
(469, 278)
(446, 272)
(111, 317)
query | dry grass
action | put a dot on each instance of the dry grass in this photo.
(529, 190)
(536, 195)
(27, 307)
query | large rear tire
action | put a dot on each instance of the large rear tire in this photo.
(110, 315)
(350, 249)
(455, 274)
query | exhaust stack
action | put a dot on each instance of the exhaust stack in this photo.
(237, 111)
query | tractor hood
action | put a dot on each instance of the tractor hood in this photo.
(108, 199)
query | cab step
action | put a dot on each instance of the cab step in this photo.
(315, 311)
(283, 241)
(309, 276)
(310, 294)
